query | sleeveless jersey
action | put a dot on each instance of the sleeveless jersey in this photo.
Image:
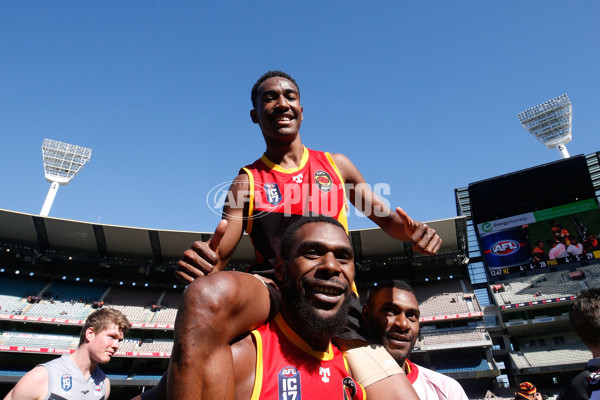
(278, 197)
(65, 381)
(287, 368)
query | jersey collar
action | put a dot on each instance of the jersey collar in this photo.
(270, 164)
(300, 343)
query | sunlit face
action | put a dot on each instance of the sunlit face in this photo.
(320, 269)
(393, 316)
(104, 344)
(278, 111)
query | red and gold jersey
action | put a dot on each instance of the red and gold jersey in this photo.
(287, 368)
(278, 197)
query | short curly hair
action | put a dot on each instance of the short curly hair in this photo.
(264, 77)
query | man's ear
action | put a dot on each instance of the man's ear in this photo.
(89, 334)
(254, 116)
(366, 312)
(278, 269)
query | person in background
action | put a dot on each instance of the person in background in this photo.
(77, 376)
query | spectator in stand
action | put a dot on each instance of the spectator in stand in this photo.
(77, 376)
(528, 391)
(575, 247)
(585, 319)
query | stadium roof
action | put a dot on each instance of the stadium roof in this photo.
(110, 241)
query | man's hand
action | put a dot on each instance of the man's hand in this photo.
(201, 258)
(424, 239)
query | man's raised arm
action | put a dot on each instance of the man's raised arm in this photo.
(397, 225)
(213, 255)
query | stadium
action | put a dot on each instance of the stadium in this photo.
(493, 312)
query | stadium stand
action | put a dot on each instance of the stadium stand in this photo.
(488, 331)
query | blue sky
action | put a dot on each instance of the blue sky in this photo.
(422, 96)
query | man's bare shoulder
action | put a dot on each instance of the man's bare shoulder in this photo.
(32, 386)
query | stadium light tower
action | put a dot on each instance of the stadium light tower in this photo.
(62, 161)
(550, 123)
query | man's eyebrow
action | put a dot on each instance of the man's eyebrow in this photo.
(314, 244)
(275, 92)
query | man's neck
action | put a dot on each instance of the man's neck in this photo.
(286, 155)
(317, 343)
(82, 361)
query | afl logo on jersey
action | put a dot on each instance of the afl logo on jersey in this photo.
(505, 247)
(66, 382)
(289, 384)
(273, 193)
(323, 181)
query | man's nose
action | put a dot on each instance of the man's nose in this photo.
(401, 322)
(330, 264)
(282, 102)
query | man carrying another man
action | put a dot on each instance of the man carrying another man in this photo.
(288, 181)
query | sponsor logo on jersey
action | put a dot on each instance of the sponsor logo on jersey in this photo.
(273, 193)
(66, 382)
(349, 388)
(505, 247)
(323, 181)
(289, 384)
(298, 178)
(325, 374)
(98, 388)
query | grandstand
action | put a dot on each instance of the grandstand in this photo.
(487, 328)
(55, 272)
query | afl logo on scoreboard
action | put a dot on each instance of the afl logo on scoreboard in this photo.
(505, 247)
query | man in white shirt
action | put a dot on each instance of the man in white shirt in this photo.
(392, 313)
(575, 247)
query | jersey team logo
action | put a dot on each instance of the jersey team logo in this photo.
(323, 181)
(273, 193)
(594, 377)
(66, 382)
(349, 388)
(289, 384)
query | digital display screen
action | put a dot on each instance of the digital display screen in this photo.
(536, 218)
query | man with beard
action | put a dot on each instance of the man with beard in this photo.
(288, 181)
(392, 313)
(292, 355)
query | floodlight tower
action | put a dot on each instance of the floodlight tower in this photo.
(62, 161)
(550, 123)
